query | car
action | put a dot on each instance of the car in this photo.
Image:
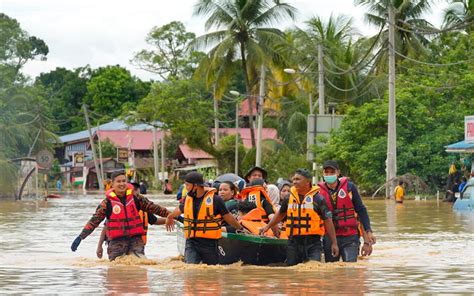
(465, 202)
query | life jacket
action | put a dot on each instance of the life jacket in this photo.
(206, 224)
(124, 221)
(144, 218)
(254, 194)
(253, 222)
(343, 214)
(301, 218)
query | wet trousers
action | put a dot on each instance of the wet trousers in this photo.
(201, 250)
(124, 246)
(303, 248)
(348, 248)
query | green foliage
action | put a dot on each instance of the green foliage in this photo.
(64, 92)
(183, 107)
(226, 154)
(431, 105)
(109, 88)
(169, 56)
(108, 149)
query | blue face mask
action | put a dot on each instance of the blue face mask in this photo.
(330, 179)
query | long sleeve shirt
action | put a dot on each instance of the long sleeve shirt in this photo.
(104, 210)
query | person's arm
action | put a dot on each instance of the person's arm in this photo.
(100, 250)
(170, 219)
(331, 232)
(148, 206)
(361, 211)
(366, 249)
(92, 224)
(232, 221)
(277, 217)
(320, 206)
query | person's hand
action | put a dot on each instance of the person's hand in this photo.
(276, 231)
(169, 223)
(75, 243)
(334, 250)
(263, 230)
(370, 238)
(99, 252)
(366, 249)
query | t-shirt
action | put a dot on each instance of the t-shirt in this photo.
(218, 205)
(319, 206)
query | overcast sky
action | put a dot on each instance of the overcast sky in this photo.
(110, 32)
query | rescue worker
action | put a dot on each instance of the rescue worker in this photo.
(306, 213)
(203, 213)
(147, 219)
(256, 193)
(125, 228)
(347, 207)
(399, 192)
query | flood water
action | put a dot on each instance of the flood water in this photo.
(422, 247)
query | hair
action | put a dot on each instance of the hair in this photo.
(400, 183)
(116, 174)
(231, 185)
(304, 172)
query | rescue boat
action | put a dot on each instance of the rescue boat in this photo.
(247, 248)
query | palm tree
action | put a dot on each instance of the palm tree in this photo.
(243, 31)
(459, 12)
(408, 41)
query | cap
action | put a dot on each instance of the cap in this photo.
(304, 172)
(255, 168)
(330, 164)
(194, 178)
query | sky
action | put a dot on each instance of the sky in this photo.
(107, 32)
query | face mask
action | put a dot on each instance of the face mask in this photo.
(330, 179)
(193, 193)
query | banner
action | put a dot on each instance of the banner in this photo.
(122, 155)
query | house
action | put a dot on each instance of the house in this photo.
(244, 134)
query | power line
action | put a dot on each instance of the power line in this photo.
(432, 64)
(435, 31)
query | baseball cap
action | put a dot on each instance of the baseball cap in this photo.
(194, 178)
(330, 164)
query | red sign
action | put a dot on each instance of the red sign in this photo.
(469, 128)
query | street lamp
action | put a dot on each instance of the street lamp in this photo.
(311, 133)
(236, 94)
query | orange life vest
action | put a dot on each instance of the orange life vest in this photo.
(206, 224)
(301, 218)
(144, 218)
(253, 222)
(344, 216)
(124, 221)
(254, 194)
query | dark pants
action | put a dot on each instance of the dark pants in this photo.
(199, 250)
(124, 246)
(303, 248)
(348, 248)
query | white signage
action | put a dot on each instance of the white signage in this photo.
(469, 128)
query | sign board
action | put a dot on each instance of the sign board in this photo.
(44, 159)
(122, 155)
(79, 159)
(469, 128)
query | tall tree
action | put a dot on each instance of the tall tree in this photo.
(460, 13)
(169, 56)
(242, 33)
(409, 41)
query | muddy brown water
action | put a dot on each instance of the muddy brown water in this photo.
(422, 247)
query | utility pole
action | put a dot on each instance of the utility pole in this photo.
(258, 158)
(236, 169)
(392, 132)
(94, 156)
(163, 157)
(100, 154)
(321, 78)
(216, 119)
(156, 160)
(310, 136)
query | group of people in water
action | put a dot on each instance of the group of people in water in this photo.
(327, 218)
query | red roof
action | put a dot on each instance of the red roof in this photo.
(267, 134)
(191, 153)
(244, 108)
(138, 140)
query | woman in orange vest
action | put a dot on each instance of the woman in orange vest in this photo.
(124, 226)
(308, 218)
(203, 213)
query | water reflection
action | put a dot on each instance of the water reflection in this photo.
(127, 279)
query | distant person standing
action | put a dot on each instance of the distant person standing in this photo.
(143, 187)
(59, 185)
(399, 192)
